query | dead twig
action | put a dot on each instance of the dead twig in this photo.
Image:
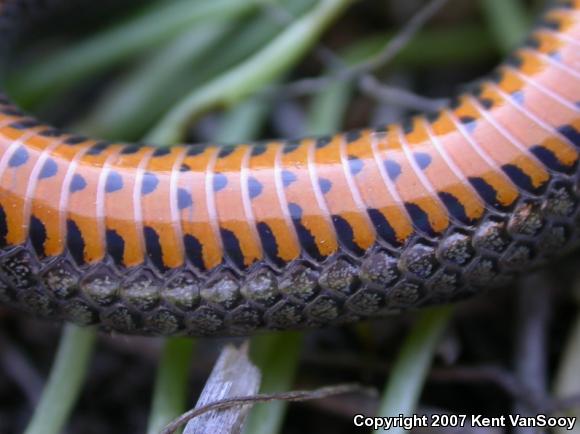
(362, 72)
(373, 88)
(232, 375)
(292, 396)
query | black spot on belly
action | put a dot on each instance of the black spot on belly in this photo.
(455, 207)
(325, 185)
(153, 247)
(75, 242)
(255, 187)
(115, 246)
(518, 96)
(75, 139)
(486, 103)
(269, 243)
(195, 150)
(547, 157)
(571, 133)
(291, 146)
(78, 183)
(98, 148)
(355, 165)
(420, 218)
(383, 227)
(37, 236)
(193, 251)
(232, 247)
(519, 177)
(485, 191)
(130, 149)
(307, 240)
(433, 116)
(150, 183)
(184, 168)
(49, 169)
(393, 169)
(470, 126)
(220, 181)
(288, 178)
(3, 227)
(352, 136)
(258, 149)
(422, 159)
(408, 126)
(226, 150)
(161, 152)
(19, 157)
(114, 182)
(51, 132)
(24, 124)
(322, 142)
(346, 234)
(184, 199)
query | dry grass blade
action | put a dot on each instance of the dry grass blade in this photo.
(233, 374)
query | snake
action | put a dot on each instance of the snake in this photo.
(206, 240)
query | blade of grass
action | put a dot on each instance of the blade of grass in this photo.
(276, 355)
(134, 36)
(508, 21)
(136, 101)
(411, 367)
(64, 383)
(170, 391)
(328, 108)
(243, 122)
(116, 113)
(262, 68)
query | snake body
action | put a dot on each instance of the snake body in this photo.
(228, 240)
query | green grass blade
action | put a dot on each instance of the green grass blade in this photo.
(131, 105)
(276, 355)
(130, 100)
(507, 20)
(411, 367)
(243, 122)
(160, 23)
(328, 108)
(262, 68)
(64, 383)
(170, 392)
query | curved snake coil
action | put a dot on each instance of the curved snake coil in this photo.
(213, 240)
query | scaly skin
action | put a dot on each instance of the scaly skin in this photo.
(214, 240)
